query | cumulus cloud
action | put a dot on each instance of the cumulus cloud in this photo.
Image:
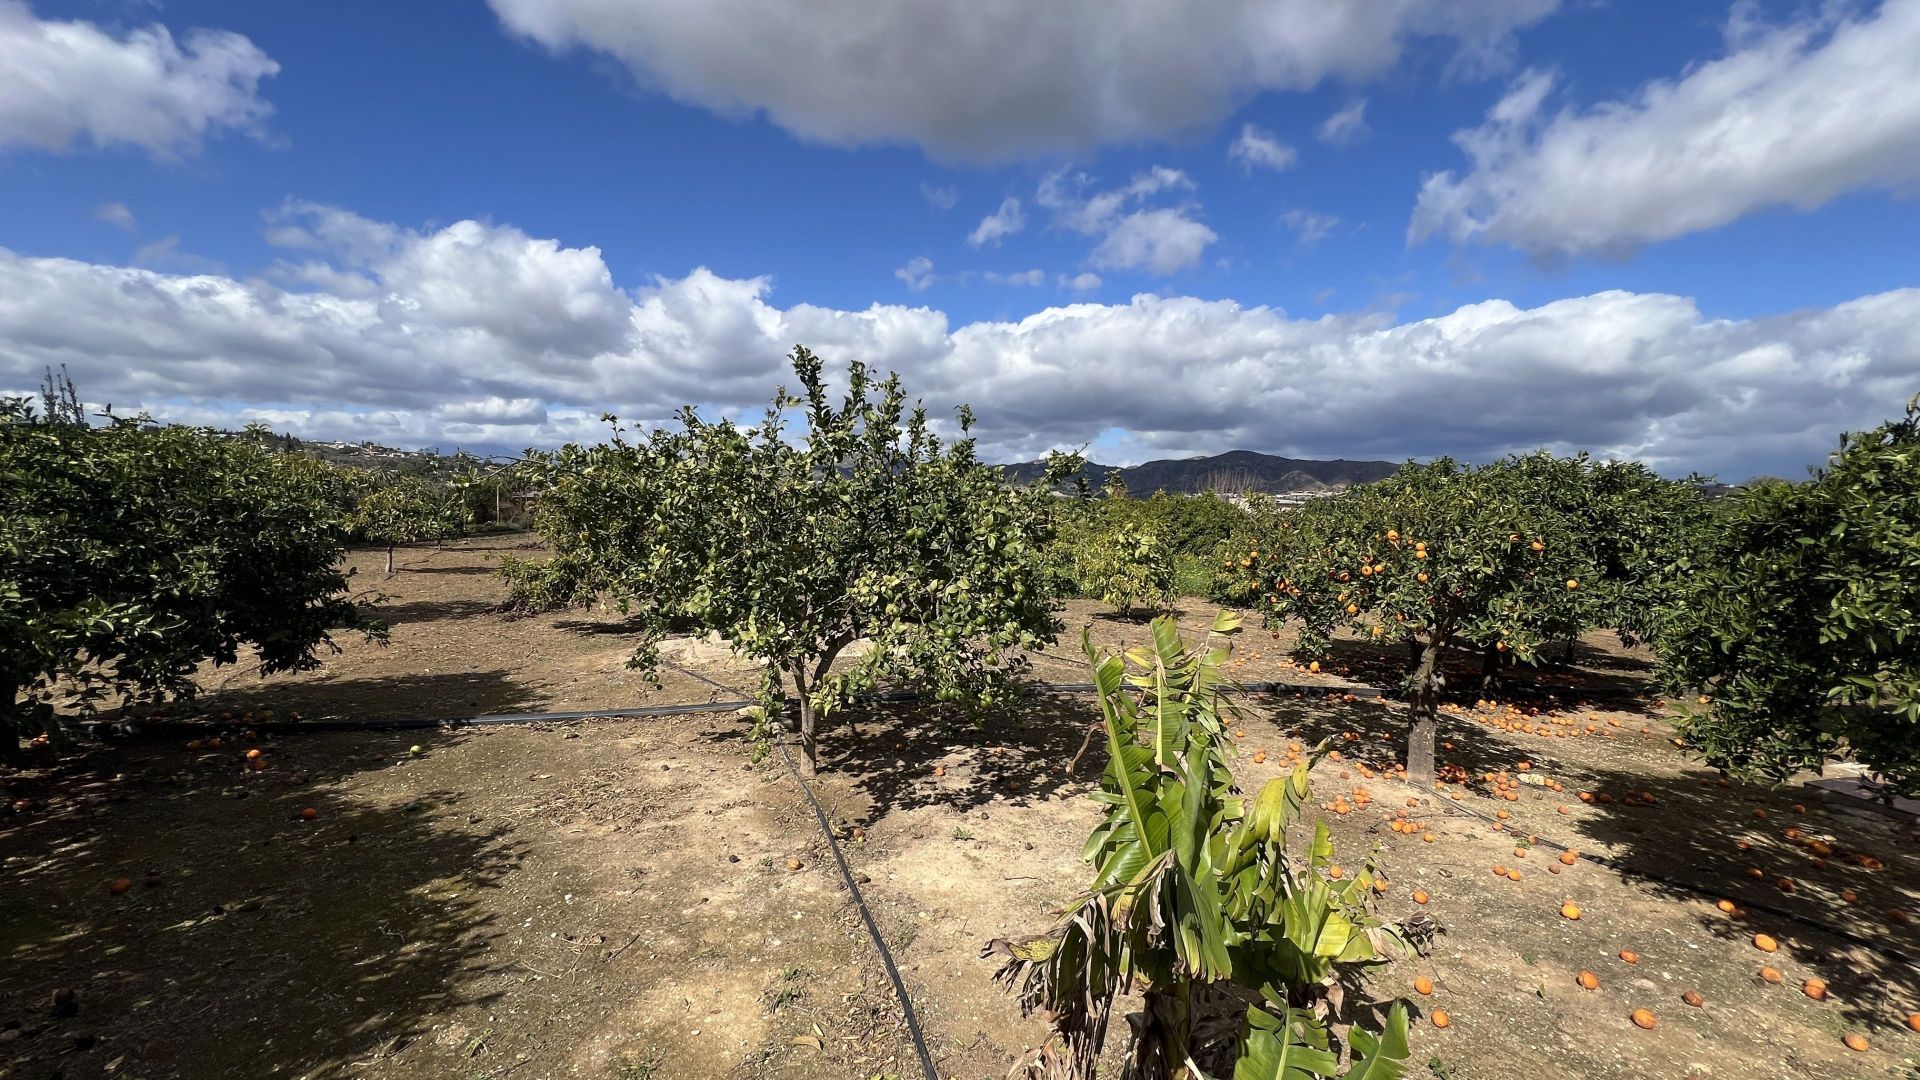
(1347, 126)
(995, 79)
(115, 213)
(1003, 222)
(1257, 148)
(918, 273)
(63, 83)
(1161, 240)
(415, 358)
(1793, 115)
(1081, 282)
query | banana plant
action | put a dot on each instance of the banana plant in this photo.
(1235, 942)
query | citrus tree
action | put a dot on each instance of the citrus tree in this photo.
(130, 554)
(1438, 555)
(864, 529)
(1800, 630)
(1197, 902)
(404, 509)
(1123, 568)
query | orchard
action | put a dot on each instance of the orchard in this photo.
(1281, 869)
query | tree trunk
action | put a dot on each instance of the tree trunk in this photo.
(1568, 658)
(1429, 679)
(809, 739)
(1413, 654)
(11, 730)
(389, 560)
(1490, 664)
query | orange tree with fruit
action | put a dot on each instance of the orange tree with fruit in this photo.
(1439, 555)
(132, 553)
(865, 528)
(1800, 632)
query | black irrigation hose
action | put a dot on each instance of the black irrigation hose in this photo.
(853, 890)
(866, 916)
(1623, 870)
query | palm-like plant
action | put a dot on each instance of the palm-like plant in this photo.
(1235, 941)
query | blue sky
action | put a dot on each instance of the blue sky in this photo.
(1694, 222)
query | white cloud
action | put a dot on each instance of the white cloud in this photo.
(495, 412)
(1081, 282)
(1003, 222)
(996, 79)
(416, 359)
(63, 83)
(1793, 115)
(1162, 240)
(1346, 127)
(1309, 227)
(1258, 148)
(918, 273)
(115, 213)
(939, 196)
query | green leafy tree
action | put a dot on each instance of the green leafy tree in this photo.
(404, 509)
(1125, 569)
(1197, 902)
(130, 554)
(1800, 630)
(864, 529)
(1438, 555)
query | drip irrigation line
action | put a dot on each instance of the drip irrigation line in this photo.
(866, 916)
(1623, 870)
(853, 890)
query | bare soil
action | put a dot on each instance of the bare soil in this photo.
(632, 898)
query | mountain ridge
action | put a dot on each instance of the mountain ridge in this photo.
(1232, 472)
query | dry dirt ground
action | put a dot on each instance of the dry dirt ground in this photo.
(632, 899)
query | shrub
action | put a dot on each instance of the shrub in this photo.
(1197, 902)
(132, 553)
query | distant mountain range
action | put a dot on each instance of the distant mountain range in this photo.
(1236, 471)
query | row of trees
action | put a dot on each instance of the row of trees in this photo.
(1787, 608)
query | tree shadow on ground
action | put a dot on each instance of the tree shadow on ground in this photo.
(438, 696)
(1685, 847)
(1374, 733)
(252, 941)
(426, 611)
(1552, 688)
(449, 569)
(1016, 755)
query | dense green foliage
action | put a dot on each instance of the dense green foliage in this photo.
(132, 553)
(1801, 625)
(1131, 552)
(1197, 902)
(1121, 567)
(865, 528)
(403, 508)
(1503, 558)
